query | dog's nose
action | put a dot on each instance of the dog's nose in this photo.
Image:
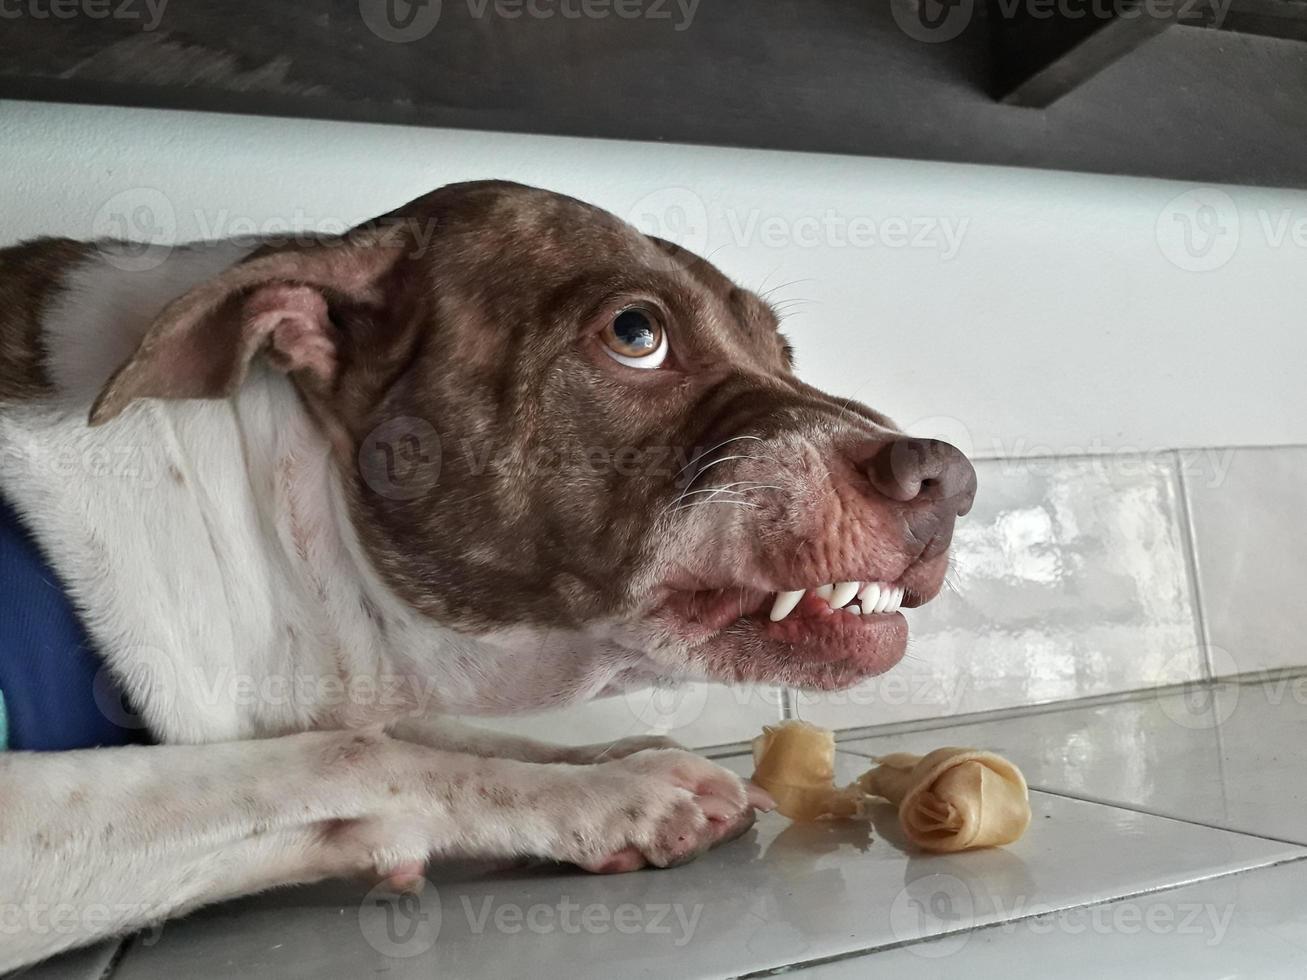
(908, 470)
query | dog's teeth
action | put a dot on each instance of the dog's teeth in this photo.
(843, 594)
(869, 596)
(858, 598)
(784, 604)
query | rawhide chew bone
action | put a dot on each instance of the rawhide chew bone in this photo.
(795, 762)
(953, 799)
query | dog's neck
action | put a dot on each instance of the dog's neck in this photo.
(221, 529)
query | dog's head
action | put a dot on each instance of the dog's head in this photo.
(546, 419)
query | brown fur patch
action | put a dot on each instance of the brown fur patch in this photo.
(31, 275)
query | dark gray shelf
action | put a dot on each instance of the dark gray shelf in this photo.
(1181, 96)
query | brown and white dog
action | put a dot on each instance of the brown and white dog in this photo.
(317, 519)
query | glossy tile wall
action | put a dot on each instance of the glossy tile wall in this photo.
(1073, 577)
(1250, 530)
(1069, 580)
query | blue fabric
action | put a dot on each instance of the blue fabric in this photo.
(48, 666)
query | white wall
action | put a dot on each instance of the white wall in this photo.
(1064, 321)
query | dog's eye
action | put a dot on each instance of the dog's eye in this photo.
(635, 338)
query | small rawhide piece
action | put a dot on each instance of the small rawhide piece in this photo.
(795, 762)
(953, 799)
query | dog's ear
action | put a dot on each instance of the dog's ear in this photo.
(278, 302)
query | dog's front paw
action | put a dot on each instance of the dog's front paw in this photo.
(661, 807)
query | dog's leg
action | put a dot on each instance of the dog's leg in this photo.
(103, 842)
(454, 736)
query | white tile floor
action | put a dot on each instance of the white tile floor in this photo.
(1169, 839)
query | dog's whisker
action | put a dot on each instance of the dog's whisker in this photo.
(708, 452)
(727, 459)
(767, 295)
(748, 484)
(705, 503)
(711, 490)
(686, 492)
(758, 486)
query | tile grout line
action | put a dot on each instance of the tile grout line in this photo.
(843, 736)
(980, 457)
(119, 954)
(1132, 808)
(869, 951)
(1193, 567)
(1031, 710)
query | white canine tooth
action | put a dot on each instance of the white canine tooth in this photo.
(869, 596)
(855, 609)
(784, 604)
(886, 595)
(824, 591)
(843, 594)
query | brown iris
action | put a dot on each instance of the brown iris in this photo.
(634, 334)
